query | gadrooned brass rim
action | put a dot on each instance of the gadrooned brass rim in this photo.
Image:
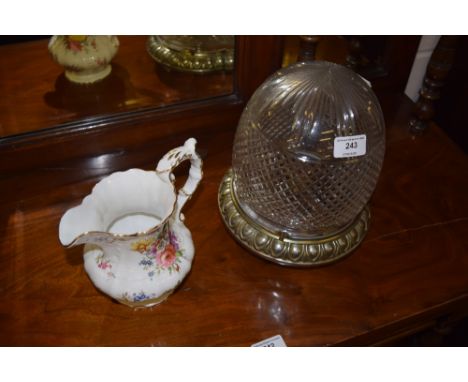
(286, 251)
(186, 61)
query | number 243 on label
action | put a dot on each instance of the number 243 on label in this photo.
(350, 146)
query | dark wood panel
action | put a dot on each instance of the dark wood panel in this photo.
(411, 268)
(450, 110)
(256, 58)
(398, 60)
(126, 131)
(389, 58)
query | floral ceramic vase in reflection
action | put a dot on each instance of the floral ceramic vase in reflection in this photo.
(86, 59)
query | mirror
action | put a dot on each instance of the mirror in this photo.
(147, 72)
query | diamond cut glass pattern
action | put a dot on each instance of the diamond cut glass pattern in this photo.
(285, 175)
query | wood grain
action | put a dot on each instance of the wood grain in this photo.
(411, 269)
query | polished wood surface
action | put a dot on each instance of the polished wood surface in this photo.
(410, 271)
(36, 94)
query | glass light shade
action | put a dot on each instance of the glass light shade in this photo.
(291, 175)
(307, 154)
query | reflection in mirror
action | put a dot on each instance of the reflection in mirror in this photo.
(197, 54)
(38, 94)
(86, 59)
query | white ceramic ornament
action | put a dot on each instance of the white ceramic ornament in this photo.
(86, 59)
(137, 248)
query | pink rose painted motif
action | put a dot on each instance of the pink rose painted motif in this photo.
(166, 257)
(163, 254)
(75, 46)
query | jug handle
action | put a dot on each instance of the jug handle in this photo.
(171, 160)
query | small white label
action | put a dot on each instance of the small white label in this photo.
(272, 342)
(348, 147)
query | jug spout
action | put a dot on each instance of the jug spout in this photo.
(76, 222)
(138, 249)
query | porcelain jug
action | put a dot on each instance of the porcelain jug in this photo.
(137, 248)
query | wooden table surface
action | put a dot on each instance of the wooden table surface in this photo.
(36, 94)
(411, 270)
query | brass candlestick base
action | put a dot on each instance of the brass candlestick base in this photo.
(286, 251)
(186, 60)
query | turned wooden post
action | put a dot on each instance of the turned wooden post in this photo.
(353, 59)
(307, 48)
(437, 70)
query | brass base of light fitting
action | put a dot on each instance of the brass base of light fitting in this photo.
(283, 250)
(190, 61)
